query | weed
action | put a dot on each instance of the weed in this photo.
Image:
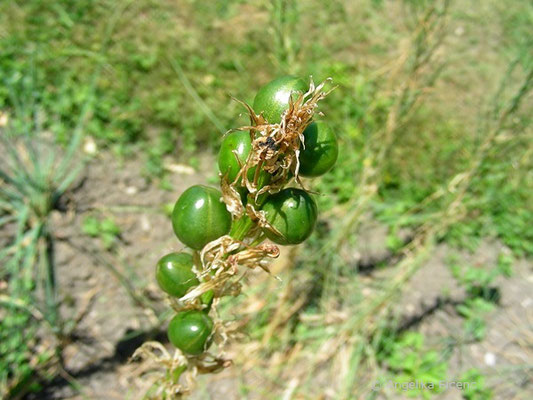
(34, 176)
(483, 296)
(410, 362)
(106, 230)
(477, 391)
(478, 280)
(18, 359)
(474, 311)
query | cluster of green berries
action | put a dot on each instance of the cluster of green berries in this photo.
(200, 216)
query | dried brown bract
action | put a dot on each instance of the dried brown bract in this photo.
(275, 147)
(168, 369)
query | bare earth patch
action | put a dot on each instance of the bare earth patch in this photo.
(112, 324)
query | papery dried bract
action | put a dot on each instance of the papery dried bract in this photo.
(275, 147)
(232, 198)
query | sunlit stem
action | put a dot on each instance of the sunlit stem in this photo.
(241, 227)
(197, 260)
(176, 373)
(260, 239)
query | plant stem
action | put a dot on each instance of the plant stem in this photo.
(241, 227)
(176, 373)
(261, 238)
(197, 260)
(52, 311)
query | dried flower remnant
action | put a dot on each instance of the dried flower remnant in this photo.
(276, 147)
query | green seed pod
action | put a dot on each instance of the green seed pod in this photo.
(293, 213)
(273, 98)
(174, 274)
(321, 150)
(200, 216)
(238, 142)
(190, 331)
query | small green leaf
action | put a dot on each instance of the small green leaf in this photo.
(90, 226)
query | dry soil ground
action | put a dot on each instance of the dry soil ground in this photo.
(105, 336)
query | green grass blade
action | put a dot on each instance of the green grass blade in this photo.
(67, 180)
(194, 94)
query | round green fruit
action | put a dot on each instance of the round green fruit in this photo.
(293, 213)
(321, 150)
(190, 331)
(238, 142)
(174, 274)
(273, 98)
(200, 216)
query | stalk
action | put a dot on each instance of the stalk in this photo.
(241, 227)
(50, 286)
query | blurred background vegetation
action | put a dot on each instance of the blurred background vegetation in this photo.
(433, 112)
